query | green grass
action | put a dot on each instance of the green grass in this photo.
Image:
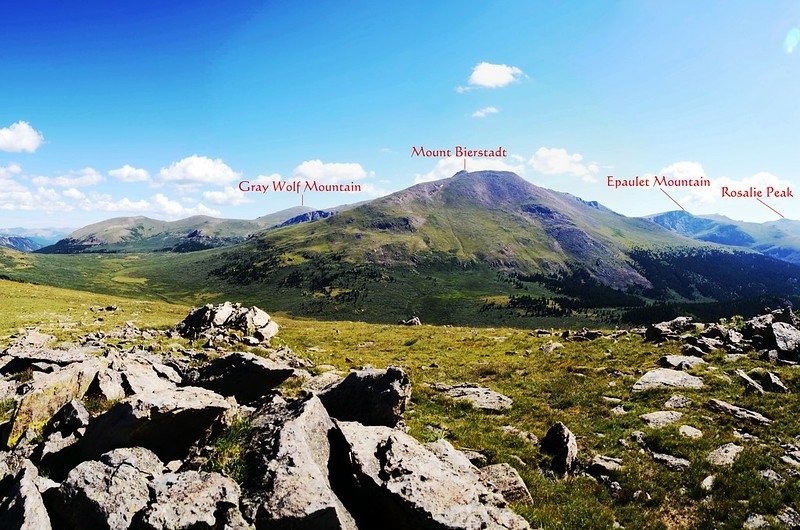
(567, 385)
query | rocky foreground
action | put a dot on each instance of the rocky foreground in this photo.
(106, 434)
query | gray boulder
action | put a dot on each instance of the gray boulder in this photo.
(192, 500)
(787, 340)
(477, 396)
(167, 422)
(740, 413)
(667, 378)
(211, 320)
(773, 383)
(724, 455)
(661, 418)
(561, 443)
(245, 376)
(370, 396)
(401, 485)
(107, 494)
(680, 362)
(505, 480)
(289, 458)
(750, 384)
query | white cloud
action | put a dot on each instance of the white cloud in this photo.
(556, 161)
(447, 167)
(230, 195)
(701, 196)
(488, 75)
(19, 137)
(73, 193)
(198, 170)
(330, 172)
(74, 179)
(128, 173)
(482, 113)
(11, 169)
(160, 204)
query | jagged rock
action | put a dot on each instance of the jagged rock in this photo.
(787, 338)
(48, 393)
(671, 462)
(604, 465)
(667, 330)
(790, 517)
(370, 396)
(245, 376)
(718, 405)
(478, 396)
(550, 346)
(142, 373)
(192, 500)
(68, 419)
(561, 443)
(677, 401)
(703, 344)
(771, 475)
(661, 418)
(681, 362)
(23, 507)
(749, 383)
(773, 383)
(724, 455)
(690, 432)
(210, 320)
(167, 422)
(290, 459)
(667, 378)
(401, 484)
(107, 494)
(31, 339)
(413, 321)
(505, 480)
(108, 385)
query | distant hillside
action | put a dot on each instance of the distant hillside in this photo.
(142, 234)
(33, 238)
(23, 244)
(778, 239)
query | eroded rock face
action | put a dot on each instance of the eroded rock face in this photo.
(371, 396)
(49, 392)
(787, 339)
(166, 422)
(505, 480)
(289, 457)
(405, 485)
(23, 508)
(245, 376)
(192, 500)
(561, 443)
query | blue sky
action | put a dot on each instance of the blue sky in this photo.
(161, 108)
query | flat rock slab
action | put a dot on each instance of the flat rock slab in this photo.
(740, 413)
(661, 418)
(245, 376)
(681, 362)
(724, 455)
(19, 359)
(370, 397)
(667, 378)
(690, 432)
(478, 396)
(505, 480)
(405, 485)
(671, 462)
(677, 401)
(166, 422)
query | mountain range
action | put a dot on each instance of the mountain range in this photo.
(477, 247)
